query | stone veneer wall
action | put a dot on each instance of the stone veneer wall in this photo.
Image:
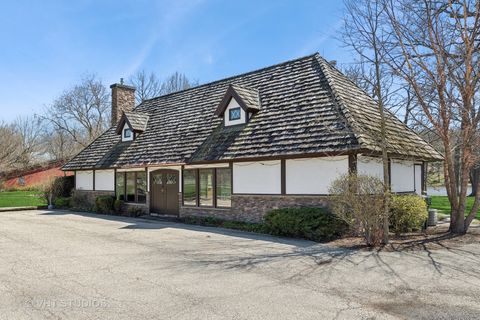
(92, 195)
(252, 208)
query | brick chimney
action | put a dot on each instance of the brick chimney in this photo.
(123, 99)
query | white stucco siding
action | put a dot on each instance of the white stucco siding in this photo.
(402, 174)
(370, 166)
(257, 177)
(313, 175)
(84, 180)
(105, 180)
(234, 104)
(418, 179)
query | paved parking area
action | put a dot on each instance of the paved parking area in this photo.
(59, 265)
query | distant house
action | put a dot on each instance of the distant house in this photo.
(238, 147)
(34, 176)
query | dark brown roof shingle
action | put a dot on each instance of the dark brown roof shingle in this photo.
(307, 107)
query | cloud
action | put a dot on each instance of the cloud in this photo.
(170, 15)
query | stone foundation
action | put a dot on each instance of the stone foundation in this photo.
(252, 208)
(92, 195)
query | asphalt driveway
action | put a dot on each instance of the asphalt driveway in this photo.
(59, 265)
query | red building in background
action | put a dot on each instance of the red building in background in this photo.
(34, 176)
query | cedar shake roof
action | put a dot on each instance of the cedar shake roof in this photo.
(307, 108)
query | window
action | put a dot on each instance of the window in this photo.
(234, 114)
(21, 181)
(127, 133)
(189, 187)
(224, 187)
(207, 187)
(131, 186)
(120, 186)
(141, 187)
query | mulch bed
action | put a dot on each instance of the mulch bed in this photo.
(433, 238)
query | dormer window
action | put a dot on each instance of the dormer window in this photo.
(127, 133)
(238, 105)
(234, 114)
(131, 125)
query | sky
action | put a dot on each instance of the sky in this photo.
(48, 46)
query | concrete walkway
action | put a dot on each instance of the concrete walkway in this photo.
(60, 265)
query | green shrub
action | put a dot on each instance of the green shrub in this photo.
(118, 205)
(63, 186)
(62, 202)
(133, 211)
(315, 224)
(407, 213)
(104, 204)
(80, 202)
(216, 222)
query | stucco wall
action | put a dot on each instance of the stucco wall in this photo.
(105, 180)
(313, 175)
(84, 180)
(370, 166)
(262, 177)
(402, 176)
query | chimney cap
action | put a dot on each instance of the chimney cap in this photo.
(122, 86)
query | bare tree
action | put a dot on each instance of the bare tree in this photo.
(82, 112)
(364, 33)
(177, 82)
(9, 141)
(148, 86)
(436, 48)
(27, 130)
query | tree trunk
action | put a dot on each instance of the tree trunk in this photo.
(474, 180)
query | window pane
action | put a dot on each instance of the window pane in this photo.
(141, 187)
(189, 188)
(206, 187)
(120, 186)
(131, 186)
(224, 187)
(234, 114)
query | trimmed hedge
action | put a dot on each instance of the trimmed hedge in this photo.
(216, 222)
(62, 202)
(104, 204)
(315, 224)
(407, 213)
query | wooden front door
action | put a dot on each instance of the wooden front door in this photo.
(164, 192)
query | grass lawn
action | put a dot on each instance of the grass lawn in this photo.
(441, 203)
(21, 198)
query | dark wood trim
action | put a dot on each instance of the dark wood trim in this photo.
(230, 164)
(93, 180)
(424, 176)
(214, 186)
(115, 182)
(280, 157)
(75, 179)
(352, 163)
(283, 177)
(390, 174)
(181, 187)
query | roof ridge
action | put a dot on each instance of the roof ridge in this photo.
(324, 64)
(232, 77)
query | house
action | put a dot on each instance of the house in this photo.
(238, 147)
(34, 176)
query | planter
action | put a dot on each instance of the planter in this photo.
(432, 217)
